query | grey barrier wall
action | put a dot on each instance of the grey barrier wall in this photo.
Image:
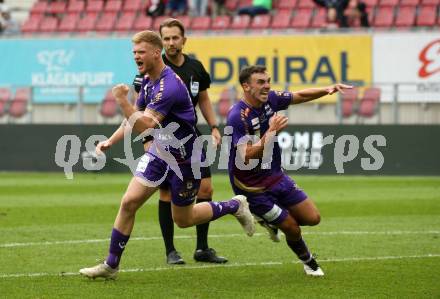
(311, 149)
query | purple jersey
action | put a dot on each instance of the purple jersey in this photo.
(169, 97)
(247, 120)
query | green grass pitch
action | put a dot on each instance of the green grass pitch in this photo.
(379, 238)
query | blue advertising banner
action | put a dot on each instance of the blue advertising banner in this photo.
(56, 67)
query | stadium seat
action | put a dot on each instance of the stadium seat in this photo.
(113, 6)
(231, 5)
(39, 8)
(200, 23)
(409, 3)
(287, 5)
(106, 22)
(369, 103)
(68, 23)
(49, 24)
(132, 5)
(224, 103)
(87, 22)
(320, 19)
(32, 24)
(19, 103)
(426, 17)
(260, 22)
(388, 3)
(406, 17)
(125, 22)
(244, 3)
(348, 102)
(142, 22)
(384, 17)
(75, 6)
(94, 6)
(430, 2)
(240, 22)
(306, 4)
(186, 21)
(221, 23)
(56, 7)
(5, 96)
(109, 106)
(302, 18)
(281, 19)
(371, 3)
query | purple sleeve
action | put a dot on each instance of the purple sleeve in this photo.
(239, 126)
(140, 102)
(280, 100)
(164, 100)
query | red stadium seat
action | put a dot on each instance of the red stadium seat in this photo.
(260, 22)
(231, 5)
(201, 23)
(87, 22)
(426, 16)
(288, 5)
(384, 17)
(406, 17)
(57, 7)
(221, 23)
(224, 103)
(125, 22)
(68, 23)
(320, 19)
(387, 3)
(240, 22)
(409, 3)
(244, 3)
(371, 3)
(39, 8)
(113, 6)
(186, 21)
(19, 104)
(76, 6)
(348, 102)
(430, 2)
(106, 22)
(32, 24)
(281, 19)
(302, 18)
(143, 22)
(49, 24)
(306, 4)
(369, 103)
(109, 106)
(132, 5)
(95, 6)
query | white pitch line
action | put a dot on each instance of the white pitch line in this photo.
(232, 265)
(66, 242)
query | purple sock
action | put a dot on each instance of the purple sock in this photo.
(222, 208)
(117, 246)
(300, 249)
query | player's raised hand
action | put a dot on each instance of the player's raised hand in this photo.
(338, 88)
(120, 91)
(103, 146)
(278, 122)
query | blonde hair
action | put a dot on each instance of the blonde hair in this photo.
(149, 37)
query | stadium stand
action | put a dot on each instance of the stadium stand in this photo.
(348, 102)
(19, 103)
(260, 22)
(109, 106)
(221, 23)
(281, 19)
(405, 17)
(369, 103)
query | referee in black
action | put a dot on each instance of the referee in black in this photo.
(197, 81)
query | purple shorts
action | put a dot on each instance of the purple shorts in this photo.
(272, 204)
(153, 169)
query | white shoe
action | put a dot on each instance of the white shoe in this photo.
(273, 231)
(309, 266)
(244, 215)
(102, 270)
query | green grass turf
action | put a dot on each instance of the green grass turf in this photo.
(374, 241)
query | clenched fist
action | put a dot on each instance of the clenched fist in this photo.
(278, 122)
(120, 91)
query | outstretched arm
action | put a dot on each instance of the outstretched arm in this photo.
(310, 94)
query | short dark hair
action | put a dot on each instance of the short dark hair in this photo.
(246, 72)
(170, 22)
